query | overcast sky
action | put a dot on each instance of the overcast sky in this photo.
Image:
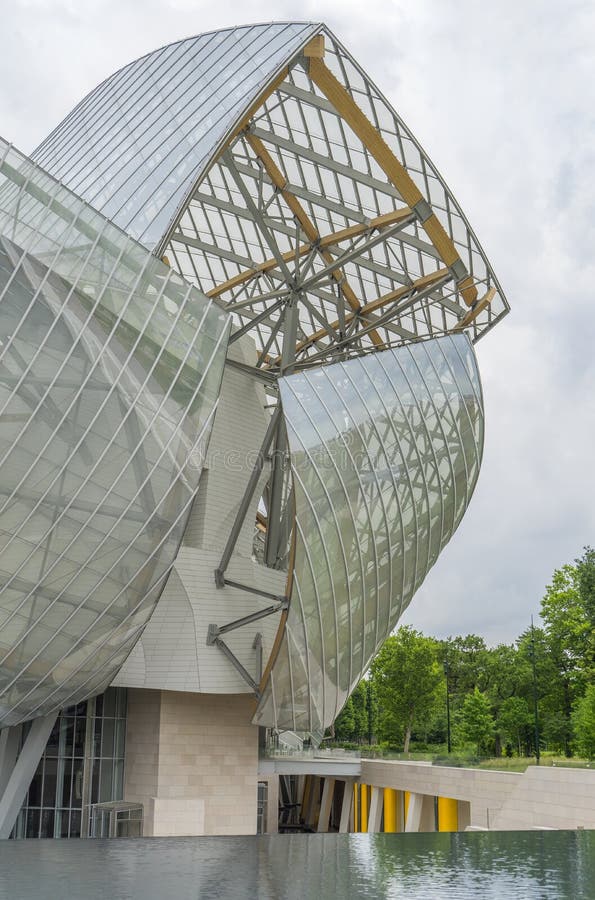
(502, 97)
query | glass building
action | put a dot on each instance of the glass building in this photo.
(82, 765)
(241, 418)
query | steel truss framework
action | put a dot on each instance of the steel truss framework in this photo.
(324, 228)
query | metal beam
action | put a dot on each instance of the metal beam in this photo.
(328, 240)
(395, 171)
(253, 590)
(10, 739)
(326, 162)
(412, 290)
(245, 501)
(24, 770)
(303, 218)
(216, 630)
(217, 642)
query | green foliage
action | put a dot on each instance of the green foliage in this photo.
(514, 722)
(491, 691)
(477, 721)
(583, 718)
(405, 676)
(357, 719)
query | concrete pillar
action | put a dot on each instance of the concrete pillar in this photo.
(272, 804)
(413, 810)
(305, 806)
(376, 804)
(312, 804)
(24, 769)
(428, 814)
(325, 804)
(463, 814)
(10, 739)
(346, 822)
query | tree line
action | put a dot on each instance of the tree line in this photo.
(535, 694)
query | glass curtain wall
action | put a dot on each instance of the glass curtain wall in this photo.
(83, 764)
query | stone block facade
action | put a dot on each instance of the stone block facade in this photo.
(192, 761)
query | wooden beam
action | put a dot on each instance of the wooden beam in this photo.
(315, 47)
(303, 218)
(397, 174)
(328, 240)
(371, 307)
(475, 310)
(417, 285)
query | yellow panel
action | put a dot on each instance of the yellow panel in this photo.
(390, 810)
(406, 796)
(355, 807)
(364, 808)
(448, 817)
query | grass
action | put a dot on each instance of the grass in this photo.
(467, 759)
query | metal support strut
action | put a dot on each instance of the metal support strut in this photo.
(214, 639)
(246, 499)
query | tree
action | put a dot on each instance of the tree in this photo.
(405, 676)
(477, 721)
(358, 716)
(344, 725)
(514, 721)
(466, 658)
(568, 636)
(583, 719)
(585, 566)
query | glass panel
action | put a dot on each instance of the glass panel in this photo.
(113, 372)
(60, 778)
(385, 453)
(67, 783)
(49, 781)
(47, 823)
(105, 781)
(75, 824)
(135, 146)
(62, 823)
(79, 736)
(33, 819)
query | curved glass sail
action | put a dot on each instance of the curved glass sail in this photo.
(110, 368)
(385, 453)
(135, 146)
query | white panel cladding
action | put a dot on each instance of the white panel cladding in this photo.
(172, 653)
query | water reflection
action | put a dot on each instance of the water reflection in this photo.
(536, 865)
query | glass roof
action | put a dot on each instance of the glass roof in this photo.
(270, 171)
(135, 145)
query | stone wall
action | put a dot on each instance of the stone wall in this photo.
(540, 797)
(192, 760)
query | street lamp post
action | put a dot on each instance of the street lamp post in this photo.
(446, 672)
(535, 711)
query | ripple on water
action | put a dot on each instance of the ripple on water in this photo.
(540, 865)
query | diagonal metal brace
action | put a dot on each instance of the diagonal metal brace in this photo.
(215, 630)
(233, 660)
(252, 590)
(246, 499)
